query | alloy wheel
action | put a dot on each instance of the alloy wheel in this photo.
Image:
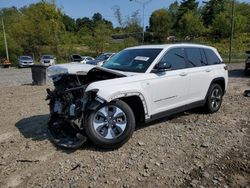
(216, 98)
(110, 122)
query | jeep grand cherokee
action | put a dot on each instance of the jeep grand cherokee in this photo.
(137, 85)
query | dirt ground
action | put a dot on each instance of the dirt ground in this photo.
(191, 149)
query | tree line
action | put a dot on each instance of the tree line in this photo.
(44, 28)
(213, 19)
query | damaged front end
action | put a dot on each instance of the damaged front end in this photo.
(70, 105)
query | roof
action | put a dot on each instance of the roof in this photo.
(164, 46)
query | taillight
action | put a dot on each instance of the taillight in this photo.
(226, 67)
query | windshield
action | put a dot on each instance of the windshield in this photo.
(103, 57)
(47, 57)
(25, 58)
(133, 60)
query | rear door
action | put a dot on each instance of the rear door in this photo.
(199, 72)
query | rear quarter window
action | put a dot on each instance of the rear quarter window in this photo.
(212, 58)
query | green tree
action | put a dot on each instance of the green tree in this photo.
(244, 10)
(132, 25)
(97, 17)
(69, 23)
(38, 25)
(173, 10)
(221, 25)
(160, 24)
(86, 24)
(185, 7)
(211, 9)
(15, 49)
(100, 40)
(190, 24)
(10, 16)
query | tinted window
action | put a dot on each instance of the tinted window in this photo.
(47, 57)
(203, 56)
(174, 58)
(193, 57)
(212, 58)
(103, 57)
(133, 60)
(25, 58)
(76, 56)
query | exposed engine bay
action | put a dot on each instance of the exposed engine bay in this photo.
(70, 105)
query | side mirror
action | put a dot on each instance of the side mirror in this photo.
(162, 67)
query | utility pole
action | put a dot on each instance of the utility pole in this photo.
(5, 41)
(143, 3)
(232, 32)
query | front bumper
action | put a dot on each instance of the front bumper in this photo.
(25, 64)
(47, 63)
(63, 134)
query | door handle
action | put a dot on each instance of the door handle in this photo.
(208, 70)
(183, 74)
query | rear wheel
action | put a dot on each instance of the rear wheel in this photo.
(214, 98)
(111, 125)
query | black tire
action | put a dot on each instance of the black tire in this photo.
(214, 98)
(95, 135)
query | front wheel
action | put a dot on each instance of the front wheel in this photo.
(111, 125)
(214, 98)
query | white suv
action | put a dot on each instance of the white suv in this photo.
(137, 85)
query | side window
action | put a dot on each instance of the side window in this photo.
(174, 58)
(203, 57)
(194, 57)
(212, 58)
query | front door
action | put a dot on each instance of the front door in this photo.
(169, 88)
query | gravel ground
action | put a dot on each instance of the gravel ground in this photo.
(15, 76)
(191, 149)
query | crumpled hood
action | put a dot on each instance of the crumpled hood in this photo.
(81, 69)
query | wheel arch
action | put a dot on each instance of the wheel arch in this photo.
(135, 100)
(221, 81)
(136, 104)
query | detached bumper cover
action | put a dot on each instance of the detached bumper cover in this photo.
(64, 135)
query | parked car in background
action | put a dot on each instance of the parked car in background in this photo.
(247, 62)
(25, 61)
(137, 85)
(48, 60)
(81, 59)
(85, 59)
(101, 59)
